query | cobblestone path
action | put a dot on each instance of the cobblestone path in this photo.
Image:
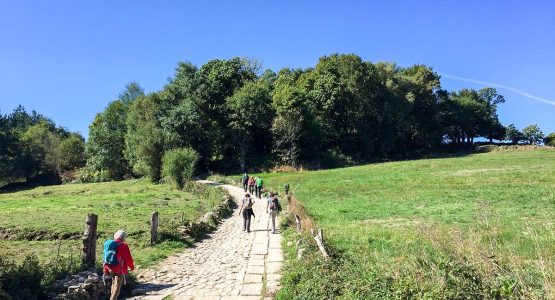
(229, 264)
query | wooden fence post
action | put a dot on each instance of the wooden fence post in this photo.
(89, 240)
(319, 238)
(154, 228)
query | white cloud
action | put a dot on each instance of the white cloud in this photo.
(501, 86)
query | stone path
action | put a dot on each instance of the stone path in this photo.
(229, 264)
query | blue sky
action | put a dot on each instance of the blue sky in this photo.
(69, 59)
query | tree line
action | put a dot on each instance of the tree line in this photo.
(230, 115)
(34, 149)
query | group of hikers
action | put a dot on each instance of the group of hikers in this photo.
(117, 259)
(273, 206)
(252, 184)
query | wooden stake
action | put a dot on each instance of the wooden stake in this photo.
(320, 242)
(89, 240)
(154, 228)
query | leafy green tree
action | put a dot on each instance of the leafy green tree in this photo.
(513, 134)
(250, 115)
(178, 165)
(533, 134)
(287, 131)
(44, 148)
(549, 139)
(132, 91)
(72, 151)
(10, 152)
(105, 148)
(145, 137)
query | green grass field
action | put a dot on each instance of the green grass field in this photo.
(476, 226)
(43, 219)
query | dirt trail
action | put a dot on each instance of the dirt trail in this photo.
(229, 264)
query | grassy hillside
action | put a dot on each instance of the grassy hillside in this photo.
(41, 220)
(476, 226)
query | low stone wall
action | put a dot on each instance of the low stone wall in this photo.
(84, 285)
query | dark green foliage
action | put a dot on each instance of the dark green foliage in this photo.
(549, 139)
(250, 119)
(31, 279)
(179, 165)
(468, 114)
(106, 147)
(32, 147)
(344, 110)
(72, 152)
(513, 134)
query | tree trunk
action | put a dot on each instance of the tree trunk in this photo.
(243, 155)
(89, 240)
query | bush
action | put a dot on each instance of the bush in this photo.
(179, 165)
(30, 279)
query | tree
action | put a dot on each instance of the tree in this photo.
(10, 152)
(44, 148)
(72, 151)
(106, 145)
(549, 139)
(533, 134)
(287, 130)
(132, 91)
(492, 128)
(145, 137)
(250, 115)
(513, 134)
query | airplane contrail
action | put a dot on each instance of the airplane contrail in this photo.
(510, 88)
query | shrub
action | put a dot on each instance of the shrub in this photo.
(179, 165)
(30, 279)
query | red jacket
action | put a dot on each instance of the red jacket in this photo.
(125, 260)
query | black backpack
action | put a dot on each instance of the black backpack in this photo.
(274, 204)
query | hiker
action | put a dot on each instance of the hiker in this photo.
(259, 184)
(246, 208)
(245, 181)
(273, 207)
(117, 262)
(251, 185)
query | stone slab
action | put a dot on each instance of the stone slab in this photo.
(255, 270)
(251, 289)
(273, 267)
(253, 278)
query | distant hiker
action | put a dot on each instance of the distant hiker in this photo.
(246, 208)
(117, 260)
(245, 181)
(251, 185)
(273, 207)
(259, 184)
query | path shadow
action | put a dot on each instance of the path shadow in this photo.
(142, 288)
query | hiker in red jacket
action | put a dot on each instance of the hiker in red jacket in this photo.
(125, 263)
